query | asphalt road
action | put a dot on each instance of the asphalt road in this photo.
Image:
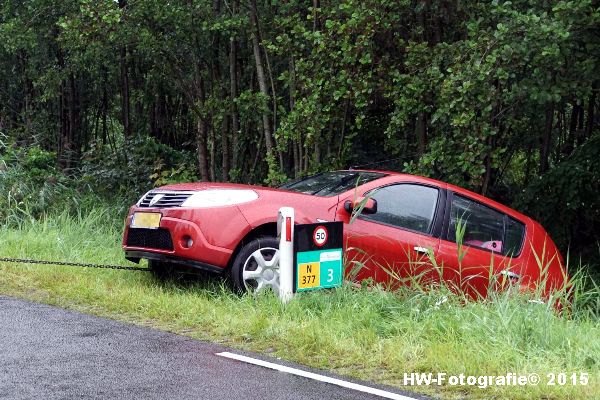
(51, 353)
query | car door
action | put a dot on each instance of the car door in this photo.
(393, 244)
(479, 244)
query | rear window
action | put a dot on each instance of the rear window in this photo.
(331, 183)
(485, 227)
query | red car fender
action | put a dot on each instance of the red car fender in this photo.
(307, 208)
(546, 264)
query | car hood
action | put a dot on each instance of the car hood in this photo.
(264, 209)
(271, 195)
(195, 186)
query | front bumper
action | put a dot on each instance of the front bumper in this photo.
(170, 242)
(136, 255)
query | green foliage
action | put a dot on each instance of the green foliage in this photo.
(39, 165)
(484, 94)
(173, 175)
(566, 201)
(31, 185)
(275, 176)
(140, 164)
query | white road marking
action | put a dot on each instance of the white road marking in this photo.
(317, 377)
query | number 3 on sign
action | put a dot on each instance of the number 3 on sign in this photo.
(329, 275)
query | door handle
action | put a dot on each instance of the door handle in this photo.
(421, 250)
(510, 274)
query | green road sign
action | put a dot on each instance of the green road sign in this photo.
(318, 256)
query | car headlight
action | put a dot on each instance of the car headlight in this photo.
(219, 197)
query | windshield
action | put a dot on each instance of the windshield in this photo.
(331, 183)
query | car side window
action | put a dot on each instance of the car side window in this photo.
(405, 206)
(515, 233)
(484, 227)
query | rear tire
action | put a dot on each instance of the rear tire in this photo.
(256, 266)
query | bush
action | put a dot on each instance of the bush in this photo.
(565, 200)
(32, 186)
(136, 166)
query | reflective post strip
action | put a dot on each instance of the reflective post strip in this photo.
(286, 253)
(288, 229)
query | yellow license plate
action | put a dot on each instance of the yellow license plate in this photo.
(309, 275)
(145, 220)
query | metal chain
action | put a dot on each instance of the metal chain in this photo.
(71, 264)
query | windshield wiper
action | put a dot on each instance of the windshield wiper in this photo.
(344, 180)
(288, 184)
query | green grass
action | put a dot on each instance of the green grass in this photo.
(366, 333)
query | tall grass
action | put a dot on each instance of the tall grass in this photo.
(367, 333)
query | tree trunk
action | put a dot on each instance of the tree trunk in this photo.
(212, 147)
(421, 133)
(218, 94)
(124, 93)
(260, 74)
(546, 139)
(343, 132)
(74, 122)
(201, 133)
(294, 140)
(124, 84)
(202, 150)
(273, 98)
(306, 159)
(528, 165)
(27, 92)
(589, 124)
(62, 112)
(296, 158)
(225, 149)
(300, 146)
(69, 139)
(487, 177)
(573, 129)
(63, 136)
(235, 122)
(105, 108)
(315, 5)
(437, 23)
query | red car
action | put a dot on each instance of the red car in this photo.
(406, 229)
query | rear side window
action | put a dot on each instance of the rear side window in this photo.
(405, 206)
(485, 227)
(515, 233)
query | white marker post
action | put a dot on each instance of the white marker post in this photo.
(285, 233)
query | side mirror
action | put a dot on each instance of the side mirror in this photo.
(366, 205)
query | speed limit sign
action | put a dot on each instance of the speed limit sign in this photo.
(318, 256)
(320, 235)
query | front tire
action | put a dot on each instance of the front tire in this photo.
(256, 267)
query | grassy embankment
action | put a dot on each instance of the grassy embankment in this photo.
(369, 334)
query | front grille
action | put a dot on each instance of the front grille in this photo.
(150, 238)
(164, 199)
